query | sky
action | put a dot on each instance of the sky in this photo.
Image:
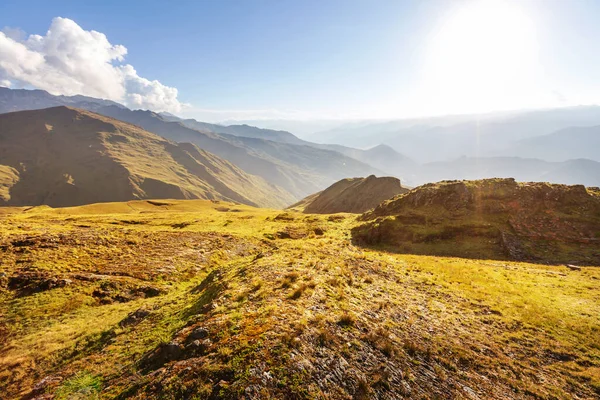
(303, 60)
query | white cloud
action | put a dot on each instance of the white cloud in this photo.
(70, 60)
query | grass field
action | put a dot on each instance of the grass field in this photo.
(199, 299)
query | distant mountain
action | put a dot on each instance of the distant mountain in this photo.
(303, 128)
(381, 157)
(300, 170)
(585, 172)
(63, 156)
(249, 131)
(444, 138)
(351, 195)
(22, 99)
(565, 144)
(455, 147)
(384, 158)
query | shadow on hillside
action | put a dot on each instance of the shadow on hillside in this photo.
(473, 242)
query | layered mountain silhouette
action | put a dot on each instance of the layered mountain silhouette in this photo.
(298, 169)
(562, 145)
(382, 157)
(481, 135)
(63, 156)
(23, 99)
(529, 146)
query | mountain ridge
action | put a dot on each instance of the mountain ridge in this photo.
(67, 156)
(300, 170)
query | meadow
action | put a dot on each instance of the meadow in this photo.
(204, 299)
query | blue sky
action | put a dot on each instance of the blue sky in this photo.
(346, 59)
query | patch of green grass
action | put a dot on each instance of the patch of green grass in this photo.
(82, 385)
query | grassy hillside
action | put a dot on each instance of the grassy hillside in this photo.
(197, 299)
(494, 218)
(8, 177)
(62, 156)
(300, 170)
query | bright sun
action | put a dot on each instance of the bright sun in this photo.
(482, 57)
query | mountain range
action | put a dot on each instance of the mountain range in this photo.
(297, 169)
(62, 156)
(544, 145)
(484, 135)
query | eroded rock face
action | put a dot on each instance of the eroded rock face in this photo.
(494, 218)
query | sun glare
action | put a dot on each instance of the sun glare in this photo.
(482, 57)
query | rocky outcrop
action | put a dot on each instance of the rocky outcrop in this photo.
(493, 218)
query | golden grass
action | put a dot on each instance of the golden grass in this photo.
(494, 326)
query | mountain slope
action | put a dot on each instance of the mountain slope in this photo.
(121, 302)
(300, 170)
(281, 158)
(352, 195)
(62, 156)
(381, 157)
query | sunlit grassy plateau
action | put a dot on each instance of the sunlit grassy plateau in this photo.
(200, 299)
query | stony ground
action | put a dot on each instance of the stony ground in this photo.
(208, 300)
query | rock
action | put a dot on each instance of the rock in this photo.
(148, 291)
(134, 318)
(319, 231)
(284, 235)
(162, 354)
(171, 351)
(44, 384)
(292, 233)
(123, 292)
(512, 246)
(198, 333)
(573, 267)
(198, 346)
